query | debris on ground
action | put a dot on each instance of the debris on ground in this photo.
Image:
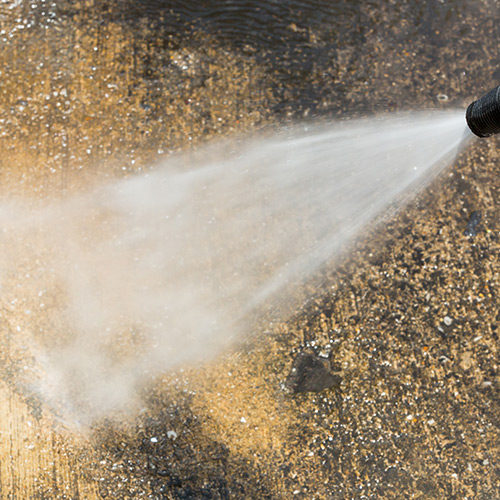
(311, 373)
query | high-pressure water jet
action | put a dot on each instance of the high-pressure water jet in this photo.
(483, 115)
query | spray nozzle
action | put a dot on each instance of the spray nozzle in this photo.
(483, 115)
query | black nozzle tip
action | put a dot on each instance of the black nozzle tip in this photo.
(483, 115)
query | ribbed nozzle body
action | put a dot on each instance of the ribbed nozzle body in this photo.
(483, 115)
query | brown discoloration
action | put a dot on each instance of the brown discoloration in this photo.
(37, 461)
(419, 410)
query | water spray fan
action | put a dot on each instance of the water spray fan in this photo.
(483, 115)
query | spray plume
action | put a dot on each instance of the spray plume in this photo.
(143, 274)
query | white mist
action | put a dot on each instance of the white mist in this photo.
(143, 274)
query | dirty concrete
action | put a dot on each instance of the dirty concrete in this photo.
(411, 318)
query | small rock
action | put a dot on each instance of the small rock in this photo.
(172, 435)
(447, 321)
(472, 224)
(466, 360)
(311, 373)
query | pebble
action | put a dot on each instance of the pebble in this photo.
(472, 224)
(311, 373)
(447, 321)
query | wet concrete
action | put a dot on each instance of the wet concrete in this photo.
(411, 317)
